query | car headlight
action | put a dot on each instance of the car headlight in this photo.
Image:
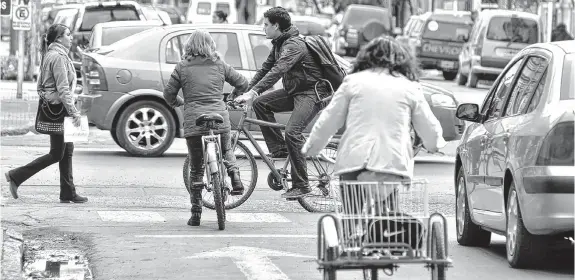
(442, 100)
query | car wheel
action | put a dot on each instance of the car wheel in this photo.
(115, 137)
(468, 233)
(449, 76)
(146, 128)
(523, 248)
(472, 80)
(461, 79)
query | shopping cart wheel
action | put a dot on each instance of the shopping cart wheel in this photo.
(370, 274)
(438, 250)
(330, 245)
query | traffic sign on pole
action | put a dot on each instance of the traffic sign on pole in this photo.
(21, 17)
(6, 7)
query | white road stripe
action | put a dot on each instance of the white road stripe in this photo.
(168, 236)
(210, 216)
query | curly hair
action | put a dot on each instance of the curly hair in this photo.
(386, 52)
(280, 16)
(200, 43)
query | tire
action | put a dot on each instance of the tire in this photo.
(115, 138)
(219, 200)
(529, 249)
(332, 188)
(449, 76)
(461, 79)
(473, 80)
(144, 111)
(469, 234)
(438, 250)
(230, 202)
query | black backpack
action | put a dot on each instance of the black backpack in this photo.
(321, 52)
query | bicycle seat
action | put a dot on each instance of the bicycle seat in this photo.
(204, 118)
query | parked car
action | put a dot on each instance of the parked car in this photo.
(152, 13)
(125, 83)
(202, 11)
(514, 165)
(107, 33)
(81, 18)
(495, 38)
(174, 13)
(361, 24)
(436, 39)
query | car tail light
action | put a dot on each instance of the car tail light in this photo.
(95, 76)
(557, 148)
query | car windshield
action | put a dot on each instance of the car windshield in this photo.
(358, 17)
(224, 7)
(106, 14)
(66, 17)
(567, 81)
(512, 29)
(204, 8)
(446, 31)
(112, 35)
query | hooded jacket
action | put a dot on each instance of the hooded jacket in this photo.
(290, 61)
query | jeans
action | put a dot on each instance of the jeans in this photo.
(60, 152)
(196, 154)
(303, 110)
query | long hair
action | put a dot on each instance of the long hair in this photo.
(54, 32)
(201, 44)
(385, 52)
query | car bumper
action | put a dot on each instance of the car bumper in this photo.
(478, 69)
(445, 65)
(547, 198)
(98, 106)
(452, 126)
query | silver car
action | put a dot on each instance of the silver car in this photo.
(514, 172)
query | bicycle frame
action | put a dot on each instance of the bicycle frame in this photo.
(211, 148)
(241, 128)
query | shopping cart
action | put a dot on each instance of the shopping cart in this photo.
(378, 226)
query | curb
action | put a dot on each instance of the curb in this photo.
(12, 254)
(16, 131)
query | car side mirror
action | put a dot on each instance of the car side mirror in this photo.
(468, 112)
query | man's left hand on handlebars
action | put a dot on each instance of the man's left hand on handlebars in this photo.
(247, 97)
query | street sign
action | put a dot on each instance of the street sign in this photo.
(21, 18)
(6, 7)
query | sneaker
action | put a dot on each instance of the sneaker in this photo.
(278, 154)
(237, 186)
(13, 187)
(195, 219)
(75, 199)
(296, 192)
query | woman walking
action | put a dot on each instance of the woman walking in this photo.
(201, 76)
(377, 102)
(56, 85)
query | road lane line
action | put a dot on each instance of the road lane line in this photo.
(167, 236)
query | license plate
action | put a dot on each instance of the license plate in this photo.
(447, 64)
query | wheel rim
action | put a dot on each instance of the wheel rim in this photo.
(460, 210)
(147, 128)
(512, 216)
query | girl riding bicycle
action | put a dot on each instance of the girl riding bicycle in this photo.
(201, 75)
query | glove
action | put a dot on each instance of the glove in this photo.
(246, 97)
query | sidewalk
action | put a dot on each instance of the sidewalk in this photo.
(17, 115)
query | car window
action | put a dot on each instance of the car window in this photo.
(513, 29)
(567, 81)
(526, 83)
(204, 8)
(537, 94)
(227, 45)
(112, 35)
(446, 31)
(66, 17)
(496, 104)
(174, 49)
(261, 48)
(224, 7)
(95, 16)
(358, 17)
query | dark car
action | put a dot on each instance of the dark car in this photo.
(361, 24)
(125, 83)
(437, 38)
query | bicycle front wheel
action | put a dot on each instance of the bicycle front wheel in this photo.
(219, 200)
(324, 197)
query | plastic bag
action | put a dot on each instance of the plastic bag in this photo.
(76, 134)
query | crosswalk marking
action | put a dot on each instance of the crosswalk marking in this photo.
(210, 216)
(130, 216)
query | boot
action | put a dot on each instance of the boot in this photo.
(196, 200)
(237, 186)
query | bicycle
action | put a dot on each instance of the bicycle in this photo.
(380, 226)
(214, 164)
(320, 176)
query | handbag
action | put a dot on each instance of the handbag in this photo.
(49, 117)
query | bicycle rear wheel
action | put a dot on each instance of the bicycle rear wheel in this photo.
(248, 168)
(219, 200)
(324, 197)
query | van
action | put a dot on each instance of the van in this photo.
(496, 37)
(201, 11)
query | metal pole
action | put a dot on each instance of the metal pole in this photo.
(20, 64)
(549, 20)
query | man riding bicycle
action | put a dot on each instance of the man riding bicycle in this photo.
(290, 60)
